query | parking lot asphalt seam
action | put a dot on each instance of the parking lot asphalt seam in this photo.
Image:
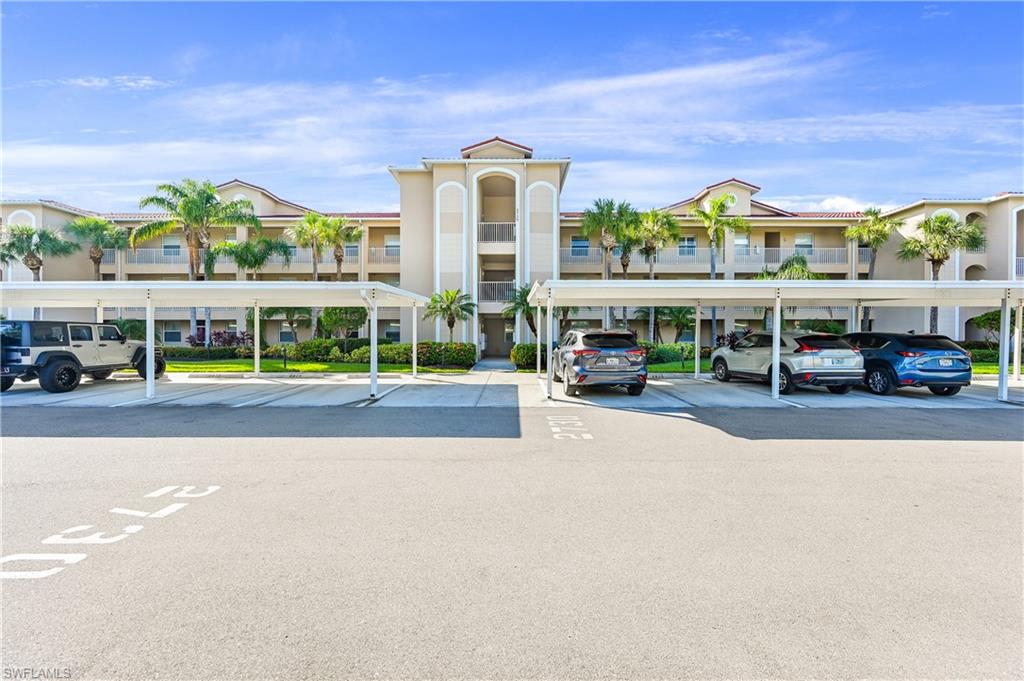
(161, 400)
(371, 401)
(263, 400)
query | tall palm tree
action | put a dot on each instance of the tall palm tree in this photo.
(656, 230)
(451, 305)
(564, 314)
(519, 304)
(717, 223)
(249, 256)
(872, 232)
(936, 240)
(295, 317)
(31, 245)
(308, 233)
(609, 222)
(7, 256)
(196, 209)
(793, 268)
(337, 233)
(100, 234)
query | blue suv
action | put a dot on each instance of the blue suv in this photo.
(902, 360)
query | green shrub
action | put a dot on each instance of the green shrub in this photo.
(393, 353)
(524, 356)
(186, 352)
(667, 352)
(447, 354)
(985, 355)
(313, 350)
(335, 355)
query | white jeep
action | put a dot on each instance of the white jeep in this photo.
(58, 353)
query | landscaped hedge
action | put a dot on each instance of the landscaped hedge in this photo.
(985, 355)
(661, 353)
(524, 356)
(429, 353)
(186, 352)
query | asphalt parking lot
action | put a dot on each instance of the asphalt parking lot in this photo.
(513, 541)
(478, 389)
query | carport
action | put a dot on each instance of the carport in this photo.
(254, 294)
(1007, 295)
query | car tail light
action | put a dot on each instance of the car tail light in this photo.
(907, 353)
(636, 352)
(586, 353)
(807, 377)
(581, 378)
(857, 350)
(906, 381)
(804, 347)
(643, 379)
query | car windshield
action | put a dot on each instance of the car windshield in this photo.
(823, 342)
(10, 333)
(931, 343)
(609, 340)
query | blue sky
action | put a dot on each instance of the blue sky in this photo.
(825, 106)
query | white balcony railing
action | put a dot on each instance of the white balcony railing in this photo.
(109, 256)
(497, 232)
(580, 256)
(1019, 269)
(351, 255)
(387, 255)
(863, 255)
(684, 255)
(815, 256)
(496, 291)
(157, 256)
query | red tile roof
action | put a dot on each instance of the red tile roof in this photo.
(64, 206)
(840, 214)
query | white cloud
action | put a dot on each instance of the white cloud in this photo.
(127, 83)
(822, 203)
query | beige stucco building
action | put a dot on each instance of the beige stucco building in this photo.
(489, 219)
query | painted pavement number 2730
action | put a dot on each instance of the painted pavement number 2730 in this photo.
(76, 535)
(568, 428)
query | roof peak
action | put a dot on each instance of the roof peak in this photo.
(465, 151)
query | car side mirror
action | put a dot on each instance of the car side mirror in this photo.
(122, 338)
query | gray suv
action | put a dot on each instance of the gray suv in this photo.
(585, 358)
(58, 353)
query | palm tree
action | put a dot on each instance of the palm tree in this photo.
(100, 234)
(716, 222)
(249, 256)
(450, 305)
(609, 222)
(657, 229)
(937, 238)
(519, 303)
(295, 317)
(564, 314)
(308, 233)
(793, 268)
(196, 209)
(7, 256)
(872, 232)
(337, 233)
(679, 318)
(31, 245)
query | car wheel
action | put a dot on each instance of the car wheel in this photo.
(721, 370)
(569, 389)
(60, 376)
(5, 383)
(840, 389)
(786, 385)
(881, 381)
(635, 390)
(101, 375)
(945, 391)
(159, 365)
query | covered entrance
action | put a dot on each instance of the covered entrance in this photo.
(497, 335)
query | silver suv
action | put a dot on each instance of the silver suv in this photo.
(805, 358)
(58, 353)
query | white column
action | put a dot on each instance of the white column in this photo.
(256, 337)
(99, 313)
(150, 348)
(1017, 340)
(415, 350)
(776, 343)
(858, 316)
(373, 348)
(540, 337)
(1004, 347)
(549, 342)
(697, 314)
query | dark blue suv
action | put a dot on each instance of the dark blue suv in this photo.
(901, 360)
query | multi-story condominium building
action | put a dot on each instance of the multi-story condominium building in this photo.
(490, 219)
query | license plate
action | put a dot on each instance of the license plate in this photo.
(945, 362)
(611, 361)
(834, 361)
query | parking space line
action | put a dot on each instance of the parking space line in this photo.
(368, 402)
(266, 399)
(185, 393)
(670, 394)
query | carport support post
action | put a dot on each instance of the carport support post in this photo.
(99, 313)
(373, 346)
(776, 342)
(540, 336)
(1017, 340)
(256, 338)
(697, 314)
(550, 338)
(415, 350)
(1004, 347)
(150, 348)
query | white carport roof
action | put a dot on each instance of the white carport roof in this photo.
(205, 293)
(750, 292)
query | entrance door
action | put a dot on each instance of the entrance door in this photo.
(499, 332)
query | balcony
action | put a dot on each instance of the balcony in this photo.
(388, 255)
(351, 254)
(496, 291)
(814, 256)
(1019, 268)
(497, 232)
(109, 256)
(157, 256)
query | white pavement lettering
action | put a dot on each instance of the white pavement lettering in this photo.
(568, 428)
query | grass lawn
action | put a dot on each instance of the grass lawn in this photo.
(277, 365)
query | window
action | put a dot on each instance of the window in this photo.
(351, 251)
(46, 333)
(742, 243)
(804, 242)
(172, 246)
(510, 332)
(580, 245)
(11, 332)
(172, 332)
(80, 333)
(110, 333)
(688, 245)
(748, 342)
(393, 332)
(392, 244)
(287, 334)
(931, 343)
